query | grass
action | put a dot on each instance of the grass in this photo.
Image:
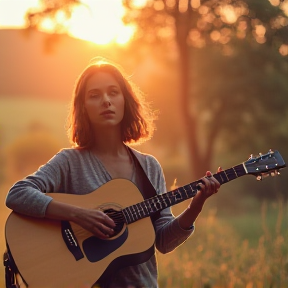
(220, 255)
(247, 249)
(228, 252)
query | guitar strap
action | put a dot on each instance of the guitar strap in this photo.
(148, 191)
(143, 183)
(10, 270)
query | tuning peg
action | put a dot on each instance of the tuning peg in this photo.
(270, 151)
(274, 173)
(262, 176)
(260, 154)
(251, 156)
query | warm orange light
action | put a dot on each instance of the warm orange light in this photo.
(284, 7)
(12, 13)
(274, 2)
(283, 49)
(228, 14)
(98, 21)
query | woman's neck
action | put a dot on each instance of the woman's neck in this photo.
(108, 143)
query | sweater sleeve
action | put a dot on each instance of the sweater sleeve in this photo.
(28, 197)
(169, 234)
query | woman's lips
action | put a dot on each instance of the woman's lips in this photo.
(107, 112)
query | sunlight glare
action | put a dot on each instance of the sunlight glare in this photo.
(228, 14)
(101, 23)
(12, 12)
(284, 7)
(283, 50)
(98, 21)
(274, 2)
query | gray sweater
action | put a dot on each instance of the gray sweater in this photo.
(80, 172)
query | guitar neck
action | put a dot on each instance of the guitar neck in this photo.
(159, 202)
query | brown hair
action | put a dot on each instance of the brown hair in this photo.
(137, 124)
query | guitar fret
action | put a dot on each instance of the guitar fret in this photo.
(137, 211)
(241, 170)
(184, 190)
(235, 171)
(130, 214)
(134, 212)
(162, 201)
(174, 195)
(140, 210)
(126, 215)
(192, 190)
(150, 206)
(131, 208)
(230, 174)
(226, 176)
(166, 200)
(156, 202)
(222, 180)
(145, 206)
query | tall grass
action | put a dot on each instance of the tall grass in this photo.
(216, 256)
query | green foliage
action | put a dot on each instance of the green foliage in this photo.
(246, 89)
(219, 255)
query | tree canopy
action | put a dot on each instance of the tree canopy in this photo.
(231, 58)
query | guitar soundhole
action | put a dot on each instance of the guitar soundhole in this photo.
(118, 218)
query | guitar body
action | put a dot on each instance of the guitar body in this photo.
(42, 255)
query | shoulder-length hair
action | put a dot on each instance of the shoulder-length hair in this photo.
(138, 122)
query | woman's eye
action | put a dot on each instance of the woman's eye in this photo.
(114, 92)
(94, 95)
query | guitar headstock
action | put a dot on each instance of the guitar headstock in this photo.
(265, 165)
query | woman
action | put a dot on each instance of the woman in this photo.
(107, 113)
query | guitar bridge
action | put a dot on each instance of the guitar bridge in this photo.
(70, 240)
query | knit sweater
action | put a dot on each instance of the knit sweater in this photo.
(78, 171)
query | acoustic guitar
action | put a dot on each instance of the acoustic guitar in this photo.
(60, 254)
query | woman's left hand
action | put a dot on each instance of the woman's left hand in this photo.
(209, 186)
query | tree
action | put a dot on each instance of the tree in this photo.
(214, 25)
(232, 28)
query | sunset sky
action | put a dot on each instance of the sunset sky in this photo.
(83, 23)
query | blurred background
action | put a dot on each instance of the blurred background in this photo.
(215, 72)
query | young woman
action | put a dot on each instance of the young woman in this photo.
(107, 113)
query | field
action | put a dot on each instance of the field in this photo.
(250, 251)
(247, 249)
(246, 252)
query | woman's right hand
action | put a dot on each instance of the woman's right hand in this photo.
(93, 220)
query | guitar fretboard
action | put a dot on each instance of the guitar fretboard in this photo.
(157, 203)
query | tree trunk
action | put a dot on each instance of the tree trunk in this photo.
(199, 163)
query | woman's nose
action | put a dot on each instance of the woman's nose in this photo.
(106, 100)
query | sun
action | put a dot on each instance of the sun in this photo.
(98, 21)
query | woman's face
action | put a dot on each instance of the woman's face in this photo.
(104, 101)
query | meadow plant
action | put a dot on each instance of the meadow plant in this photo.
(216, 257)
